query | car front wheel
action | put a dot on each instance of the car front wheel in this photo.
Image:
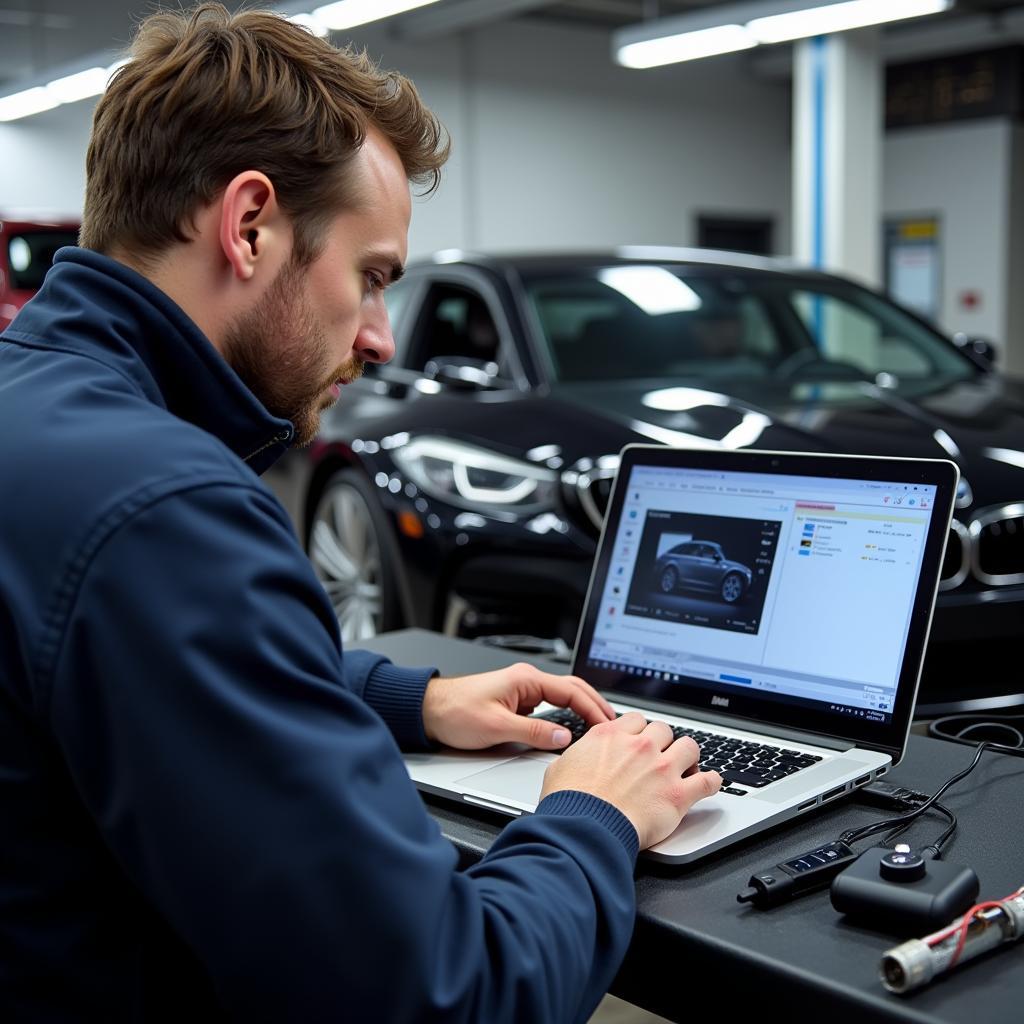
(733, 587)
(669, 579)
(353, 556)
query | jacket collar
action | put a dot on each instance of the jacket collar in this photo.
(95, 306)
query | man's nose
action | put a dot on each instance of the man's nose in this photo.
(374, 342)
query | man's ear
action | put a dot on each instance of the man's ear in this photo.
(252, 227)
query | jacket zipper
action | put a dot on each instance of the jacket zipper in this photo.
(276, 439)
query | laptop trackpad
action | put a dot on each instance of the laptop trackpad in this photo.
(520, 780)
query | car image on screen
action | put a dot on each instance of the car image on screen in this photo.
(701, 565)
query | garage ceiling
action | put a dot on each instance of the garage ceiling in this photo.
(39, 35)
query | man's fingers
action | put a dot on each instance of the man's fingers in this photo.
(698, 786)
(572, 692)
(685, 753)
(631, 721)
(661, 733)
(583, 692)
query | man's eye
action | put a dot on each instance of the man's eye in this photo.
(374, 282)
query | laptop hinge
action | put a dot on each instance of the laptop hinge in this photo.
(768, 728)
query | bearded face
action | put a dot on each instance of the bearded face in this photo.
(281, 351)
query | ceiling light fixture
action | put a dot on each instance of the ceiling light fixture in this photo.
(733, 27)
(73, 88)
(349, 13)
(706, 42)
(839, 16)
(26, 103)
(93, 80)
(314, 24)
(67, 89)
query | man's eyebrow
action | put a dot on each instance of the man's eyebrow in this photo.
(387, 259)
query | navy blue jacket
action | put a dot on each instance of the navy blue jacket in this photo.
(203, 809)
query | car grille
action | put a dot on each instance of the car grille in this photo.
(591, 486)
(998, 542)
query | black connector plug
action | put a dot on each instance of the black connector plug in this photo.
(889, 796)
(806, 873)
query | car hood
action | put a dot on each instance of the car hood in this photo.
(979, 424)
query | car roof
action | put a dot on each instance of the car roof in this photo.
(624, 255)
(14, 221)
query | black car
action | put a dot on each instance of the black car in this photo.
(701, 565)
(462, 486)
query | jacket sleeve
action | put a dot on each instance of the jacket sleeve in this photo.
(264, 809)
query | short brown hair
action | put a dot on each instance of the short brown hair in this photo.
(207, 95)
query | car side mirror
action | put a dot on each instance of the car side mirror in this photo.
(462, 372)
(981, 350)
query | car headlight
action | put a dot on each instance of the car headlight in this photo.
(476, 478)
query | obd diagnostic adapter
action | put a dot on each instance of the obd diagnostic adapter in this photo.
(815, 869)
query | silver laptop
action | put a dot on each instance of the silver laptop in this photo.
(776, 606)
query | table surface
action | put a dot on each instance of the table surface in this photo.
(695, 948)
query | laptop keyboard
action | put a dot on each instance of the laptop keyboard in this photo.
(740, 763)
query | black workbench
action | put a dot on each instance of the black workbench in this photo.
(696, 950)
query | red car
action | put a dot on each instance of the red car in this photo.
(27, 245)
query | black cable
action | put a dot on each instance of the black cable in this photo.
(960, 725)
(944, 838)
(854, 834)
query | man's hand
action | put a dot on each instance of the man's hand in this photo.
(473, 712)
(636, 766)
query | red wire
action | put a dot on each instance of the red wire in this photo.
(964, 923)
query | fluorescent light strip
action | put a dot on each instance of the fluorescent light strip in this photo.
(708, 42)
(69, 89)
(26, 103)
(839, 17)
(823, 18)
(93, 81)
(79, 87)
(349, 13)
(314, 24)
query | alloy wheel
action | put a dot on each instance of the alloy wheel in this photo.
(346, 555)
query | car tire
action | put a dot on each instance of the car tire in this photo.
(668, 580)
(734, 586)
(353, 554)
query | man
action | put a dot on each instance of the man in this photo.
(204, 808)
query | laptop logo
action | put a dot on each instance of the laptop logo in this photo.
(720, 702)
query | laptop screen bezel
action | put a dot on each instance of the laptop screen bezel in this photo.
(744, 707)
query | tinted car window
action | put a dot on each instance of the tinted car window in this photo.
(873, 336)
(30, 255)
(640, 321)
(456, 322)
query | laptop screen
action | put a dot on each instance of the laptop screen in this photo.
(786, 588)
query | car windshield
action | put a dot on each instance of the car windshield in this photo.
(647, 321)
(30, 255)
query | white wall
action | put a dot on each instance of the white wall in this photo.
(553, 144)
(570, 150)
(960, 173)
(42, 160)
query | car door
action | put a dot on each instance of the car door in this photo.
(706, 567)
